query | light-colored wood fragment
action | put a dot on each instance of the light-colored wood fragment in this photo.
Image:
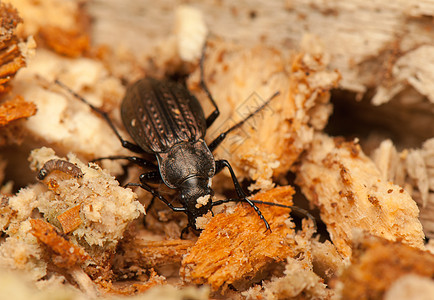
(269, 143)
(412, 287)
(347, 187)
(326, 260)
(84, 282)
(46, 13)
(62, 120)
(372, 43)
(299, 282)
(378, 263)
(105, 207)
(70, 219)
(413, 169)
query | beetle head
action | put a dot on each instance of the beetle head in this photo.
(196, 197)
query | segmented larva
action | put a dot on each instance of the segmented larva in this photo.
(59, 165)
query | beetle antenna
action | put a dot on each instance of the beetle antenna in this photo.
(126, 144)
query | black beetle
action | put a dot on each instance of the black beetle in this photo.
(166, 120)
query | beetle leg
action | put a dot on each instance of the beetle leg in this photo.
(144, 163)
(293, 208)
(151, 203)
(154, 177)
(220, 164)
(126, 144)
(150, 176)
(157, 194)
(217, 141)
(184, 231)
(148, 208)
(211, 118)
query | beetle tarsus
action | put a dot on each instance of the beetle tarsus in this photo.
(293, 208)
(258, 211)
(220, 165)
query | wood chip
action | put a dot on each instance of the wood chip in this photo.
(234, 246)
(151, 254)
(70, 219)
(72, 43)
(11, 56)
(129, 288)
(347, 187)
(15, 109)
(66, 254)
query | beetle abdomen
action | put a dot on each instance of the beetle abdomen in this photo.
(159, 114)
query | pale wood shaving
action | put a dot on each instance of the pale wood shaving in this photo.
(413, 169)
(347, 187)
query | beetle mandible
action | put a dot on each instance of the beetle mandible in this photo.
(166, 120)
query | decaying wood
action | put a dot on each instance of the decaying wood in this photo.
(378, 263)
(14, 55)
(127, 288)
(11, 59)
(140, 251)
(70, 43)
(414, 170)
(15, 109)
(299, 282)
(66, 253)
(410, 287)
(347, 187)
(70, 219)
(234, 247)
(303, 49)
(104, 208)
(370, 42)
(269, 143)
(382, 50)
